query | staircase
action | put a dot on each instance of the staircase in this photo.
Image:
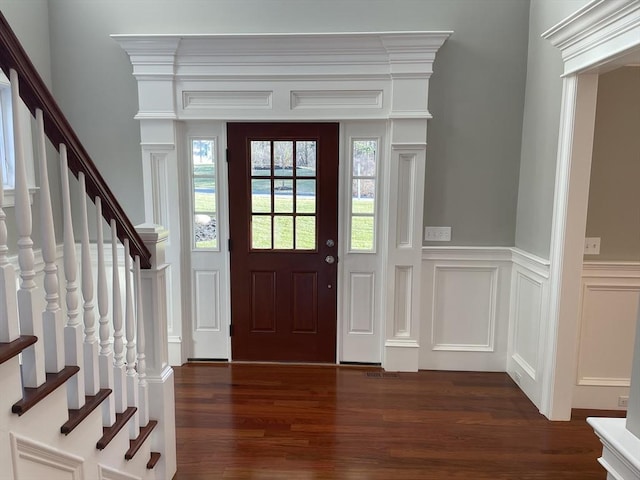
(85, 387)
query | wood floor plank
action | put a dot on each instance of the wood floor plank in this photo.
(242, 421)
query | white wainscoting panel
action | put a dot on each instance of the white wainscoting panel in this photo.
(406, 188)
(527, 321)
(336, 99)
(465, 306)
(193, 100)
(608, 315)
(468, 295)
(33, 460)
(527, 311)
(402, 301)
(210, 332)
(159, 188)
(207, 301)
(361, 303)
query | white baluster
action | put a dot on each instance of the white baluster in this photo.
(106, 353)
(118, 346)
(143, 391)
(53, 322)
(9, 330)
(132, 377)
(91, 373)
(73, 329)
(33, 372)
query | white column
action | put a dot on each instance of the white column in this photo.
(73, 329)
(33, 371)
(105, 360)
(9, 330)
(130, 329)
(53, 322)
(159, 373)
(141, 366)
(119, 375)
(90, 346)
(404, 244)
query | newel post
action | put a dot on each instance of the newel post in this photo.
(154, 295)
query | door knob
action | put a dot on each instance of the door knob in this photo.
(330, 243)
(330, 259)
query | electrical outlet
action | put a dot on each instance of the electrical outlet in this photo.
(437, 234)
(623, 401)
(592, 246)
(518, 376)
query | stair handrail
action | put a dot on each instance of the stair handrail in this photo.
(35, 94)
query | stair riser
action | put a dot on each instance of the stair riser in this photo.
(11, 385)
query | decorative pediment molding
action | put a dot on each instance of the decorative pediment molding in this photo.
(295, 53)
(298, 76)
(598, 32)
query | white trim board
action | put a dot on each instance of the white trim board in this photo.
(341, 77)
(591, 40)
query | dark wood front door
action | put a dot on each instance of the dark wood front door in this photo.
(283, 209)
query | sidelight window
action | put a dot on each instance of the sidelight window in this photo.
(205, 200)
(364, 160)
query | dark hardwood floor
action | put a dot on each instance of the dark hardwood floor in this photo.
(243, 421)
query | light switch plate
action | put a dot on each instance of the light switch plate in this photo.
(437, 234)
(592, 246)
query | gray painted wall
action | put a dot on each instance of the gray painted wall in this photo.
(614, 196)
(476, 93)
(540, 128)
(29, 19)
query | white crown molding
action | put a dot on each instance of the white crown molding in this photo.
(391, 53)
(614, 23)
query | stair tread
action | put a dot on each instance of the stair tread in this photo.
(11, 349)
(31, 396)
(155, 456)
(134, 445)
(108, 433)
(91, 402)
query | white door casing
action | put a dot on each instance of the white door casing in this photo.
(602, 35)
(374, 84)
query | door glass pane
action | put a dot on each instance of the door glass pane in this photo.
(261, 196)
(305, 233)
(306, 159)
(204, 226)
(260, 158)
(305, 196)
(363, 192)
(283, 158)
(364, 158)
(283, 196)
(260, 232)
(362, 233)
(283, 232)
(283, 206)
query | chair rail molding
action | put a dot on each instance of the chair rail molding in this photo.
(343, 77)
